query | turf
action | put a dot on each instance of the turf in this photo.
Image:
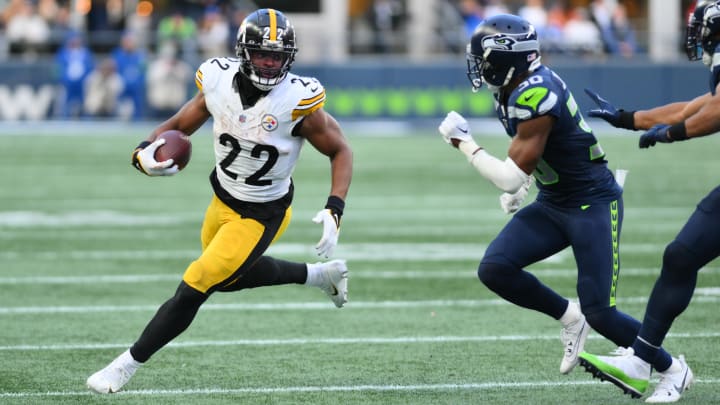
(89, 249)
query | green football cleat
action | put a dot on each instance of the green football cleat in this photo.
(627, 371)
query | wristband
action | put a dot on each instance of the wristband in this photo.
(336, 205)
(677, 132)
(626, 119)
(143, 145)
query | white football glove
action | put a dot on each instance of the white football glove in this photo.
(511, 202)
(331, 230)
(144, 160)
(455, 129)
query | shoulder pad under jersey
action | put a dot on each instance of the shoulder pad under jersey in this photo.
(312, 95)
(209, 73)
(534, 97)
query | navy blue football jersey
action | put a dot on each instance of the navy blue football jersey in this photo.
(573, 170)
(714, 70)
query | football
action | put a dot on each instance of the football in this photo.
(177, 147)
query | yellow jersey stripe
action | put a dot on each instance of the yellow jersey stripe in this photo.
(273, 25)
(303, 112)
(308, 101)
(198, 79)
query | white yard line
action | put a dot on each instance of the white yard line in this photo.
(469, 273)
(332, 388)
(298, 306)
(364, 274)
(349, 251)
(330, 341)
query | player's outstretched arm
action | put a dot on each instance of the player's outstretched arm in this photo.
(324, 133)
(668, 114)
(703, 120)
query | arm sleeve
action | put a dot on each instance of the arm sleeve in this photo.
(504, 174)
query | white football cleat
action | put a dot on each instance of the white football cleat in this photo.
(113, 377)
(333, 280)
(672, 384)
(573, 338)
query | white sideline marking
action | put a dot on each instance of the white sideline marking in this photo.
(332, 341)
(299, 306)
(330, 388)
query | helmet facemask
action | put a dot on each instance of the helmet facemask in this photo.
(264, 78)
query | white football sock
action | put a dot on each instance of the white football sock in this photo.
(127, 360)
(313, 274)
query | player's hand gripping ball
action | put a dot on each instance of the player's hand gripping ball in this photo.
(177, 147)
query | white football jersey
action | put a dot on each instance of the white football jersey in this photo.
(255, 151)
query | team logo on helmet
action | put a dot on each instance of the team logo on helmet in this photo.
(501, 42)
(269, 122)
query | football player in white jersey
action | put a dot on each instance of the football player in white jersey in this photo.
(262, 114)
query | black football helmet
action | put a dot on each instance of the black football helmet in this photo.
(702, 29)
(265, 30)
(501, 48)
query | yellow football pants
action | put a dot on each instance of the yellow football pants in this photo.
(230, 245)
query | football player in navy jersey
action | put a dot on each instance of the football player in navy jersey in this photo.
(697, 243)
(579, 202)
(262, 115)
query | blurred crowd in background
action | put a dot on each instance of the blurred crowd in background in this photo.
(585, 27)
(119, 57)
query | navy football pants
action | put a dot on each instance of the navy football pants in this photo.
(697, 243)
(540, 230)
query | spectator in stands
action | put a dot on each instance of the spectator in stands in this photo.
(535, 13)
(183, 31)
(494, 7)
(74, 62)
(131, 63)
(617, 35)
(167, 81)
(27, 32)
(472, 15)
(581, 35)
(386, 17)
(102, 90)
(61, 22)
(140, 23)
(213, 33)
(623, 33)
(551, 38)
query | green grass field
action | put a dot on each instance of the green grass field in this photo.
(89, 249)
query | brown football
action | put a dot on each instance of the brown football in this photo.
(177, 147)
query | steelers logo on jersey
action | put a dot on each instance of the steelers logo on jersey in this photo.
(269, 122)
